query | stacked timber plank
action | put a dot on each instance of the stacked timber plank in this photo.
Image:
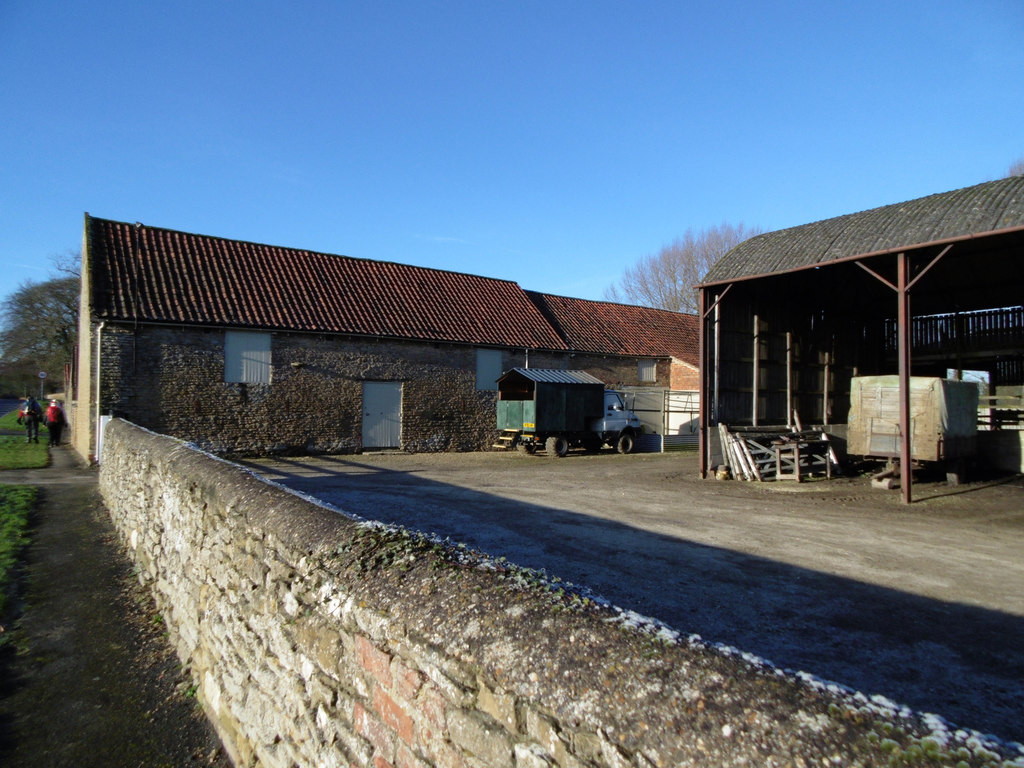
(778, 455)
(738, 456)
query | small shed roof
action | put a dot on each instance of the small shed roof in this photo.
(940, 218)
(552, 376)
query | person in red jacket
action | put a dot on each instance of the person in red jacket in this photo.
(55, 421)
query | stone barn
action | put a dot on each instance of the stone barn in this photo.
(246, 349)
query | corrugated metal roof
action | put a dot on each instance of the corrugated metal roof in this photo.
(554, 376)
(947, 216)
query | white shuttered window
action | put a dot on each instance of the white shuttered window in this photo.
(247, 357)
(647, 370)
(488, 368)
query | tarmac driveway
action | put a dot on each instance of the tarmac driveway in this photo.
(921, 604)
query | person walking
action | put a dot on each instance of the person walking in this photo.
(55, 422)
(31, 414)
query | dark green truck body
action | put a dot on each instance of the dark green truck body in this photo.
(548, 401)
(556, 410)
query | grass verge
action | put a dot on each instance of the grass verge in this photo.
(10, 420)
(16, 502)
(15, 453)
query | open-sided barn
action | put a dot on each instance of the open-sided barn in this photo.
(922, 287)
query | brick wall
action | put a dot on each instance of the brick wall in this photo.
(684, 376)
(318, 641)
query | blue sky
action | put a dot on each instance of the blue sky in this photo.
(549, 143)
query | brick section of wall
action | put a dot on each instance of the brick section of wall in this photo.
(685, 376)
(318, 641)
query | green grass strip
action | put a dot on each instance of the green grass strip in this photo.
(15, 453)
(10, 420)
(16, 502)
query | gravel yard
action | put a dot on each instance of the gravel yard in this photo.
(922, 604)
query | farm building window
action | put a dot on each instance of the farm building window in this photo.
(246, 357)
(647, 370)
(488, 368)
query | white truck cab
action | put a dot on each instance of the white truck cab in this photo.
(619, 426)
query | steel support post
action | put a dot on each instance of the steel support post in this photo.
(903, 338)
(702, 367)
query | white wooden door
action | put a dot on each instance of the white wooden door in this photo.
(382, 414)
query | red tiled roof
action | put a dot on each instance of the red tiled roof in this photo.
(621, 329)
(159, 275)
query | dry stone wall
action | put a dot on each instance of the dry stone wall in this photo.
(318, 640)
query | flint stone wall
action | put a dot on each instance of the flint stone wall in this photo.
(171, 380)
(316, 640)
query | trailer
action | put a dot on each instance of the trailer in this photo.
(557, 410)
(943, 420)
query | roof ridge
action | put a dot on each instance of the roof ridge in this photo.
(164, 275)
(1009, 179)
(285, 288)
(613, 303)
(905, 224)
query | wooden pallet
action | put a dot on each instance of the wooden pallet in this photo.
(782, 455)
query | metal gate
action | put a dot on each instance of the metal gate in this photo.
(382, 414)
(671, 417)
(682, 419)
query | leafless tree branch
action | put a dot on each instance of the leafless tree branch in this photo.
(666, 280)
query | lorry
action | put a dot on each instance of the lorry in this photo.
(555, 410)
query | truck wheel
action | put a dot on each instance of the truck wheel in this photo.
(556, 447)
(525, 447)
(625, 443)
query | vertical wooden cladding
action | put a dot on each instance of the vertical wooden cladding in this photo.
(776, 356)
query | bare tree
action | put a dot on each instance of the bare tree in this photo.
(68, 263)
(38, 324)
(666, 280)
(1016, 168)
